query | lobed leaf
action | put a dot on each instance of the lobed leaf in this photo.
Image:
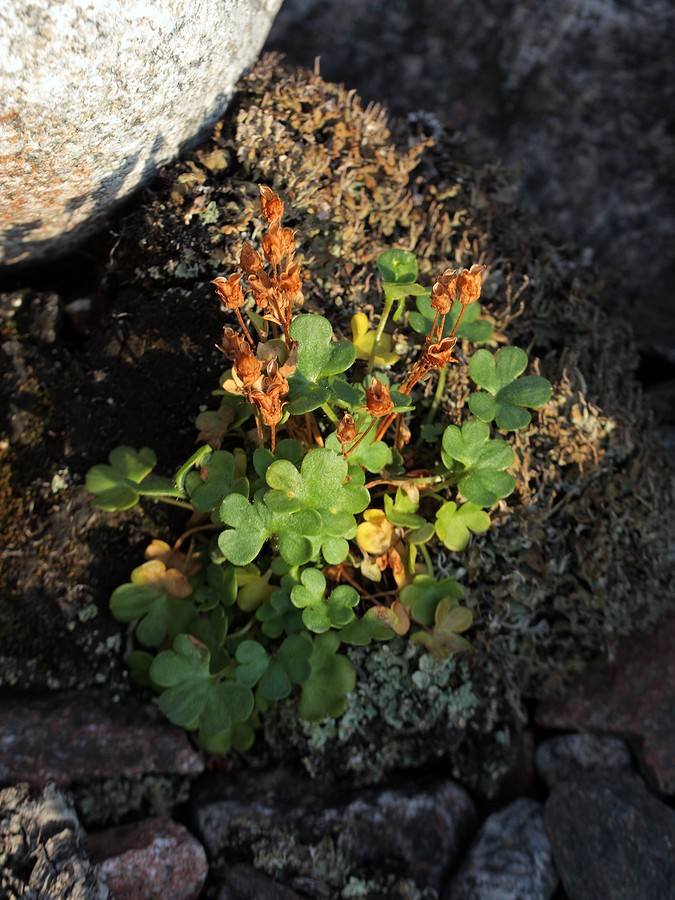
(454, 525)
(117, 486)
(482, 479)
(508, 391)
(331, 678)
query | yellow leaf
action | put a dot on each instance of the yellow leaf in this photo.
(154, 573)
(376, 534)
(363, 340)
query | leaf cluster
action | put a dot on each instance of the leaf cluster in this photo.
(292, 552)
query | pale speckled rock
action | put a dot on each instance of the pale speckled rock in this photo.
(562, 757)
(510, 858)
(149, 860)
(41, 854)
(96, 94)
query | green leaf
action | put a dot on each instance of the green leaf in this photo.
(253, 661)
(251, 525)
(370, 627)
(290, 665)
(192, 698)
(319, 357)
(159, 614)
(279, 615)
(398, 266)
(508, 392)
(371, 454)
(483, 480)
(425, 593)
(221, 480)
(399, 512)
(320, 487)
(331, 678)
(117, 486)
(453, 525)
(449, 620)
(318, 612)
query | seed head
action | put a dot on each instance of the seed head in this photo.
(443, 291)
(230, 291)
(346, 430)
(271, 204)
(378, 399)
(438, 355)
(469, 285)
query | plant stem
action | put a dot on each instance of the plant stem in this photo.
(427, 559)
(435, 403)
(388, 303)
(329, 412)
(196, 458)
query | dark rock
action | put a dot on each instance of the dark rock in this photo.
(41, 853)
(510, 857)
(562, 757)
(246, 883)
(149, 860)
(76, 736)
(633, 697)
(291, 828)
(611, 838)
(575, 95)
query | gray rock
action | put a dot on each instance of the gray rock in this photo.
(562, 757)
(94, 97)
(301, 832)
(72, 737)
(41, 851)
(611, 838)
(149, 860)
(632, 697)
(509, 859)
(576, 95)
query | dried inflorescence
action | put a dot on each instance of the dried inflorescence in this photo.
(276, 290)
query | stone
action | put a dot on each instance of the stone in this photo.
(510, 857)
(574, 95)
(41, 853)
(243, 882)
(632, 697)
(562, 757)
(77, 736)
(292, 830)
(149, 860)
(95, 96)
(611, 838)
